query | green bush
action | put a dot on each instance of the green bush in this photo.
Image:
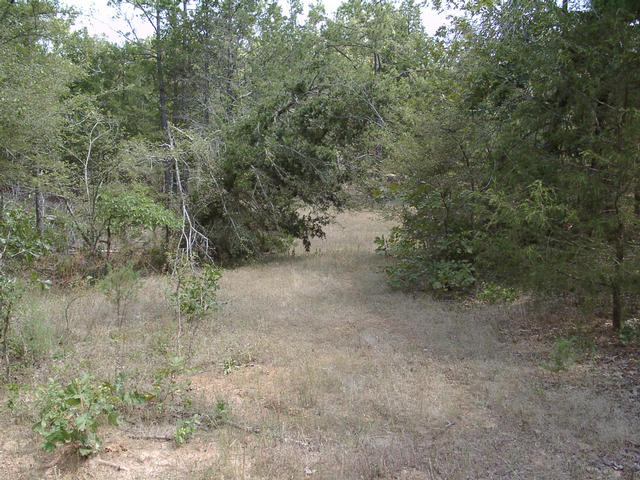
(127, 397)
(186, 428)
(195, 294)
(17, 405)
(563, 354)
(424, 268)
(434, 248)
(228, 365)
(19, 238)
(74, 412)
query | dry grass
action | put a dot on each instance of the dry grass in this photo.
(345, 378)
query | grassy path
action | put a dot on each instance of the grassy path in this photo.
(347, 379)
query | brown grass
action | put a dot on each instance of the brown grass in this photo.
(344, 377)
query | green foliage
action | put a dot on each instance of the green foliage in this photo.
(419, 271)
(228, 365)
(170, 382)
(186, 428)
(33, 338)
(34, 89)
(125, 396)
(222, 409)
(251, 153)
(74, 412)
(16, 403)
(514, 138)
(120, 285)
(11, 290)
(492, 293)
(519, 155)
(196, 291)
(19, 237)
(630, 332)
(563, 354)
(434, 248)
(133, 208)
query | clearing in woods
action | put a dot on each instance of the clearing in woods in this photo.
(345, 378)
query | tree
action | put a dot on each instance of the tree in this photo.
(548, 183)
(34, 86)
(126, 212)
(293, 140)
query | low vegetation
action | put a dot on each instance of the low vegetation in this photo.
(313, 366)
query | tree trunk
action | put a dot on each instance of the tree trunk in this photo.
(160, 71)
(183, 82)
(5, 349)
(184, 180)
(617, 290)
(616, 284)
(164, 124)
(39, 211)
(376, 63)
(168, 177)
(616, 298)
(207, 80)
(108, 241)
(229, 67)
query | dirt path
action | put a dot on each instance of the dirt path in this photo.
(347, 379)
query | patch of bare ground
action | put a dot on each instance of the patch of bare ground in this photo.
(340, 377)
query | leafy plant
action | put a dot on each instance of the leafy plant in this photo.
(126, 396)
(228, 364)
(195, 294)
(222, 413)
(186, 428)
(170, 381)
(492, 293)
(222, 409)
(127, 210)
(630, 332)
(19, 238)
(16, 403)
(434, 248)
(74, 412)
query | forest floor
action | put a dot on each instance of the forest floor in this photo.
(337, 377)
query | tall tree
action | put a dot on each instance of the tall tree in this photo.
(34, 82)
(544, 163)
